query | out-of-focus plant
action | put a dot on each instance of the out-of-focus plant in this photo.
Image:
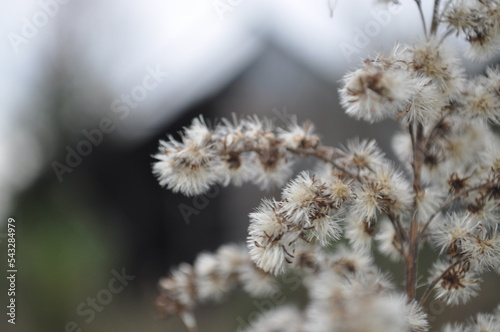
(445, 194)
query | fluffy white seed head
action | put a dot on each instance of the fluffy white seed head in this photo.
(451, 231)
(302, 198)
(271, 242)
(387, 240)
(367, 202)
(179, 290)
(482, 101)
(414, 313)
(349, 305)
(373, 93)
(484, 323)
(457, 286)
(360, 231)
(325, 230)
(259, 132)
(188, 168)
(493, 75)
(459, 149)
(281, 319)
(485, 212)
(231, 257)
(347, 261)
(210, 283)
(453, 327)
(257, 282)
(491, 155)
(265, 220)
(240, 168)
(426, 103)
(437, 61)
(479, 22)
(273, 169)
(396, 193)
(401, 146)
(198, 133)
(338, 190)
(308, 202)
(364, 154)
(299, 136)
(482, 248)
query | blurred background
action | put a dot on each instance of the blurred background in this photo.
(87, 90)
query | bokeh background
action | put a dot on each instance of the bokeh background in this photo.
(66, 65)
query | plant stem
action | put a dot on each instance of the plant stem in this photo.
(435, 17)
(411, 263)
(412, 254)
(446, 35)
(419, 5)
(331, 8)
(327, 154)
(399, 233)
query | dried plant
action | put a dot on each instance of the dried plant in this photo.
(446, 194)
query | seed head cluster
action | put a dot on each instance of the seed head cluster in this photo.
(327, 223)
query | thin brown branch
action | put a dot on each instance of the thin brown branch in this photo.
(411, 262)
(435, 17)
(422, 17)
(446, 35)
(399, 233)
(417, 160)
(327, 154)
(412, 136)
(451, 200)
(412, 254)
